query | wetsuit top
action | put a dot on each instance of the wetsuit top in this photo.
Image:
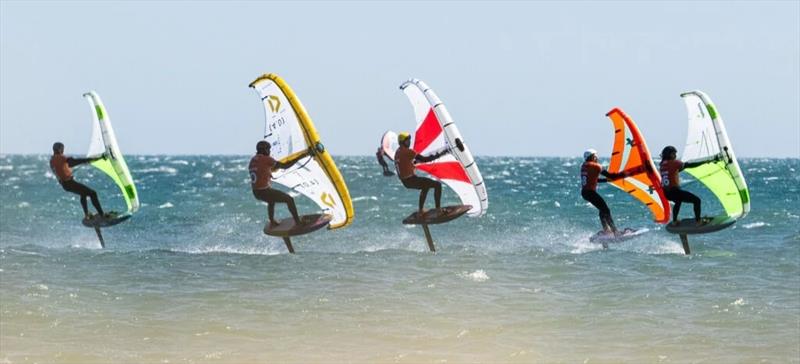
(60, 166)
(261, 171)
(404, 157)
(590, 173)
(379, 155)
(669, 173)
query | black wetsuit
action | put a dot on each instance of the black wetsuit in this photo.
(679, 196)
(591, 195)
(597, 201)
(81, 189)
(424, 184)
(271, 196)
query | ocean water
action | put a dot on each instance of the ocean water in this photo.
(192, 279)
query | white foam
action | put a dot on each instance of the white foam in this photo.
(23, 204)
(476, 276)
(166, 205)
(756, 224)
(163, 169)
(583, 245)
(6, 168)
(230, 250)
(361, 198)
(739, 302)
(208, 175)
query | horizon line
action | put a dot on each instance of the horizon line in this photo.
(364, 155)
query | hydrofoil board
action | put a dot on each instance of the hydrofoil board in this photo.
(625, 234)
(308, 223)
(437, 216)
(109, 219)
(706, 225)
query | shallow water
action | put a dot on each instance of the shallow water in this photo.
(191, 278)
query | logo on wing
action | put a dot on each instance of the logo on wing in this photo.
(327, 199)
(274, 103)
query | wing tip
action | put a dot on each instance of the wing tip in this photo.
(695, 92)
(265, 76)
(615, 110)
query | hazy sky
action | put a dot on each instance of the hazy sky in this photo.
(519, 78)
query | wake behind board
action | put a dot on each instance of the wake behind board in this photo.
(437, 216)
(308, 223)
(110, 219)
(707, 225)
(626, 234)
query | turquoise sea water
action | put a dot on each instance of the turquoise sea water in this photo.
(192, 279)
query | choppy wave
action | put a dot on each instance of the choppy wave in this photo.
(193, 265)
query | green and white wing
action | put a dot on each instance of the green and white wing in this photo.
(708, 140)
(104, 143)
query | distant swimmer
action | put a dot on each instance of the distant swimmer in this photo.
(261, 167)
(670, 167)
(61, 166)
(404, 159)
(590, 173)
(382, 162)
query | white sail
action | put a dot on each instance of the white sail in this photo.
(289, 130)
(437, 131)
(389, 144)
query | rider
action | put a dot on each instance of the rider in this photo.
(261, 167)
(670, 167)
(61, 166)
(404, 159)
(590, 173)
(382, 162)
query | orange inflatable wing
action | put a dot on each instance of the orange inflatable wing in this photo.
(631, 156)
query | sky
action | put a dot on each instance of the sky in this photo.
(519, 78)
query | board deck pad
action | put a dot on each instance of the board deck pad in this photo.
(437, 216)
(110, 219)
(308, 223)
(625, 234)
(709, 225)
